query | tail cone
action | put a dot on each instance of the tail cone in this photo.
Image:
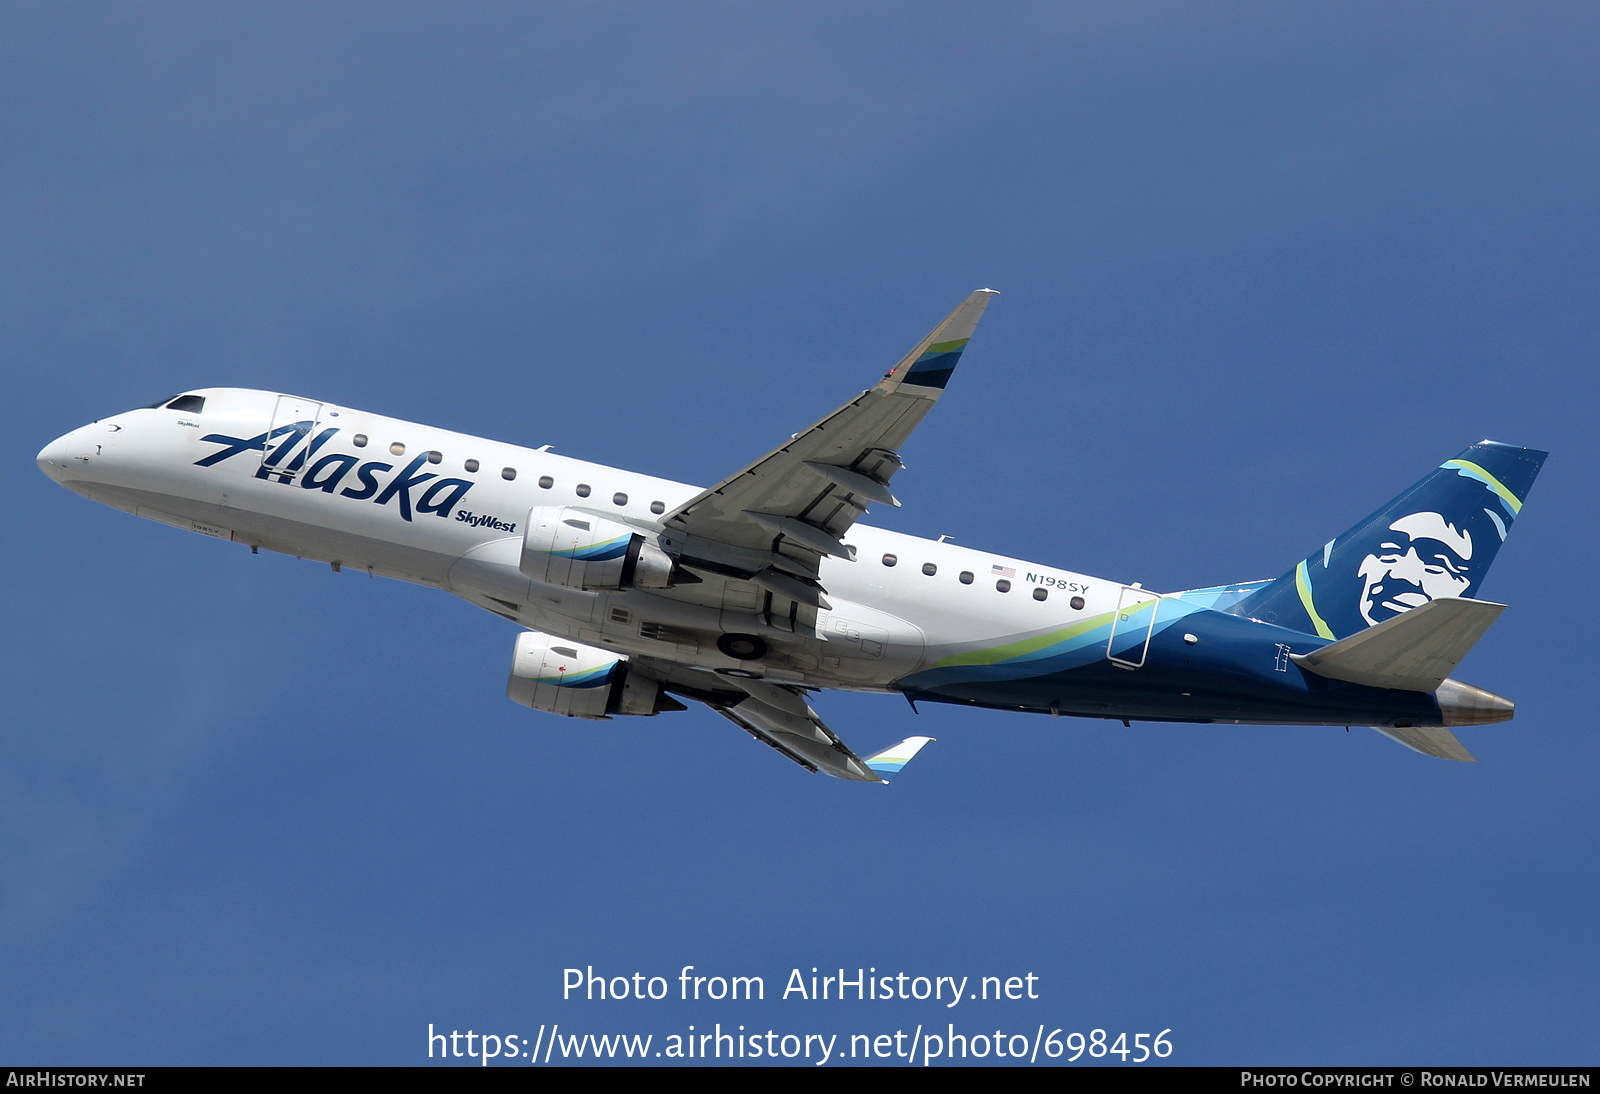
(1464, 705)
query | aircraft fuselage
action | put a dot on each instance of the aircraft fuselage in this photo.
(935, 620)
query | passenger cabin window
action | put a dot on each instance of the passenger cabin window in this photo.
(397, 449)
(583, 490)
(1077, 603)
(359, 440)
(546, 482)
(189, 404)
(1003, 585)
(658, 507)
(890, 560)
(1041, 593)
(508, 473)
(619, 498)
(435, 457)
(966, 577)
(471, 466)
(929, 568)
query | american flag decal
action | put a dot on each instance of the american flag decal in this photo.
(1003, 571)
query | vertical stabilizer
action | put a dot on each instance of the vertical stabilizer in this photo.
(1435, 540)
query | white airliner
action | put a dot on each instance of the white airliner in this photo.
(751, 594)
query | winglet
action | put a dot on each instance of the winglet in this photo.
(930, 364)
(892, 759)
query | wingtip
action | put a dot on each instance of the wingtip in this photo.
(894, 758)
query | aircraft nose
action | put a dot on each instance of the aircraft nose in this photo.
(53, 457)
(60, 455)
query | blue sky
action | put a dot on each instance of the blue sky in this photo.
(1262, 267)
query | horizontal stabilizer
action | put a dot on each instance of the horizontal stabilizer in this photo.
(1430, 741)
(1415, 651)
(892, 759)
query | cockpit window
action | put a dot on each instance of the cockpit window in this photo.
(189, 404)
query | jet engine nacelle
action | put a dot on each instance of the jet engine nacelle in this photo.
(574, 548)
(566, 677)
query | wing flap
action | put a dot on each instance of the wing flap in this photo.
(779, 716)
(859, 437)
(806, 740)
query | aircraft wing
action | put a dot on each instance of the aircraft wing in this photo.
(795, 730)
(779, 715)
(772, 521)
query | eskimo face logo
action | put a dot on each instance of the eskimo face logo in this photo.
(1422, 557)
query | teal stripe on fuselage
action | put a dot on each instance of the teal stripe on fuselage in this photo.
(1079, 648)
(1236, 669)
